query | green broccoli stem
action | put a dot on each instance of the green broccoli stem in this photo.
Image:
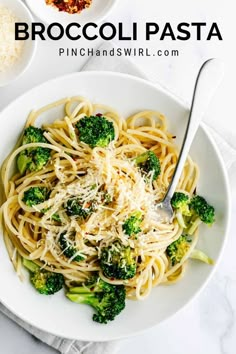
(180, 219)
(80, 290)
(141, 158)
(56, 217)
(88, 299)
(194, 225)
(31, 266)
(22, 163)
(201, 256)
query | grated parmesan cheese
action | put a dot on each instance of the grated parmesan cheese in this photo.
(10, 49)
(107, 173)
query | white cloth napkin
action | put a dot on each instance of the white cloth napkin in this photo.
(66, 346)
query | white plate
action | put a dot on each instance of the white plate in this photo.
(98, 10)
(127, 94)
(29, 48)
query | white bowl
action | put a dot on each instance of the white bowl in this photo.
(126, 94)
(98, 10)
(29, 47)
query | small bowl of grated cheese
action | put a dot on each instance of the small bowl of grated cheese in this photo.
(15, 56)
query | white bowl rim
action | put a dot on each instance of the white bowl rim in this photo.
(96, 20)
(157, 87)
(34, 46)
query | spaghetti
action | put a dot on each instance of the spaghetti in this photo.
(75, 170)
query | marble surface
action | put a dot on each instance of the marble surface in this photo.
(208, 324)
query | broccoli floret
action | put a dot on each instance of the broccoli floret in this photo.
(107, 300)
(205, 211)
(148, 162)
(35, 195)
(179, 248)
(33, 159)
(131, 225)
(96, 131)
(180, 203)
(74, 207)
(118, 261)
(66, 245)
(45, 282)
(201, 211)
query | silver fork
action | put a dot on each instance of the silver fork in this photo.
(208, 79)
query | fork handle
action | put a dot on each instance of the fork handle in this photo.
(209, 77)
